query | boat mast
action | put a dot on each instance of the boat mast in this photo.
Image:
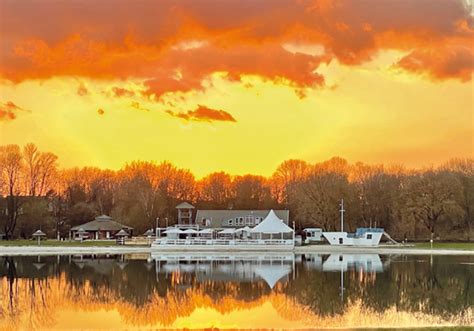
(342, 214)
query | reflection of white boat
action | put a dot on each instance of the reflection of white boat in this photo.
(313, 261)
(359, 262)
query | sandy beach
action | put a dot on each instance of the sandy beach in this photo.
(314, 249)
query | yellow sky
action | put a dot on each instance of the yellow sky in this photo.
(372, 113)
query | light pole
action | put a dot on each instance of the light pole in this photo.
(156, 228)
(342, 215)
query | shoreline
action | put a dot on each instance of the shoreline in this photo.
(313, 249)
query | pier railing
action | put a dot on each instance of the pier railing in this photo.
(223, 242)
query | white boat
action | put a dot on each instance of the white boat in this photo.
(362, 236)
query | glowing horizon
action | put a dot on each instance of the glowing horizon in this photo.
(238, 86)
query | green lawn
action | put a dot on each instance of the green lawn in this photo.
(447, 245)
(51, 242)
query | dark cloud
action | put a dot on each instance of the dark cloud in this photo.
(203, 114)
(9, 111)
(122, 92)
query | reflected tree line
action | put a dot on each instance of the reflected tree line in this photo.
(436, 285)
(408, 203)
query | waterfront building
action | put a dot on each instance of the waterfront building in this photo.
(102, 227)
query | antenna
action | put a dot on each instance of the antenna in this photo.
(342, 210)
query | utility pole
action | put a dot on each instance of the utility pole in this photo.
(342, 215)
(157, 225)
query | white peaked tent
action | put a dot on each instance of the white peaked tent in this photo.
(272, 225)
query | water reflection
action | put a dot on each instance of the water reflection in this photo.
(245, 267)
(241, 291)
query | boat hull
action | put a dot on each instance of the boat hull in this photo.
(343, 239)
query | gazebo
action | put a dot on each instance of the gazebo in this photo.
(270, 226)
(38, 235)
(81, 234)
(120, 236)
(102, 227)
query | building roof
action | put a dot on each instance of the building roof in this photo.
(122, 233)
(185, 205)
(272, 224)
(103, 223)
(218, 218)
(39, 233)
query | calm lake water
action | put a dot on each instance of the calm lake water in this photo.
(261, 291)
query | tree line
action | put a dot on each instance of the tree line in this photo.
(409, 203)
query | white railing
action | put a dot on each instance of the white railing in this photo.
(186, 226)
(223, 242)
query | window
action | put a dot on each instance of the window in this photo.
(230, 222)
(341, 241)
(257, 220)
(369, 236)
(340, 256)
(249, 220)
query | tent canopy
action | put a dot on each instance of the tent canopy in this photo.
(245, 229)
(272, 224)
(122, 233)
(190, 231)
(173, 231)
(227, 231)
(39, 233)
(206, 231)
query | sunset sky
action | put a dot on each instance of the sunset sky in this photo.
(238, 86)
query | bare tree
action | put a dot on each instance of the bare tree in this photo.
(12, 164)
(39, 168)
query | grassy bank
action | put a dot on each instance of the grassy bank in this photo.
(56, 243)
(445, 245)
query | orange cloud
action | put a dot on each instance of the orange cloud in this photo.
(138, 106)
(9, 110)
(173, 46)
(448, 61)
(122, 92)
(204, 114)
(82, 90)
